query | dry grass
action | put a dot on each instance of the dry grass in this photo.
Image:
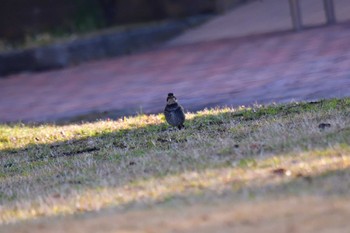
(48, 170)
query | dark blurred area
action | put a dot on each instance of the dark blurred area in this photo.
(251, 54)
(21, 18)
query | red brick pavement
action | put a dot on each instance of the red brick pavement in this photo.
(278, 67)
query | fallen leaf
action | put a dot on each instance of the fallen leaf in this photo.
(281, 172)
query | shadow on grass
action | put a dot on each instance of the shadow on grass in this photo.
(199, 124)
(329, 184)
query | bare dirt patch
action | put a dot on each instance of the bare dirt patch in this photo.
(306, 214)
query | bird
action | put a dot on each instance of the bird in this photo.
(174, 112)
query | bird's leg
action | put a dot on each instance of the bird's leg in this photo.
(180, 126)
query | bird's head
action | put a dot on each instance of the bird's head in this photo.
(171, 99)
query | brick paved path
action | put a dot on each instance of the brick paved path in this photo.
(259, 17)
(278, 67)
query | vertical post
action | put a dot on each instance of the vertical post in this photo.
(329, 11)
(295, 14)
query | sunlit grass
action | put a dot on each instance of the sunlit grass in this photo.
(216, 180)
(48, 170)
(20, 135)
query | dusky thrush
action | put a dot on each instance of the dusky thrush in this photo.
(174, 112)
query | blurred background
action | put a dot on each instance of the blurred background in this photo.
(23, 20)
(100, 28)
(109, 58)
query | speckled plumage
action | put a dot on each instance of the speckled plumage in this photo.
(174, 112)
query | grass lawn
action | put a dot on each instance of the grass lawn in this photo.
(239, 155)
